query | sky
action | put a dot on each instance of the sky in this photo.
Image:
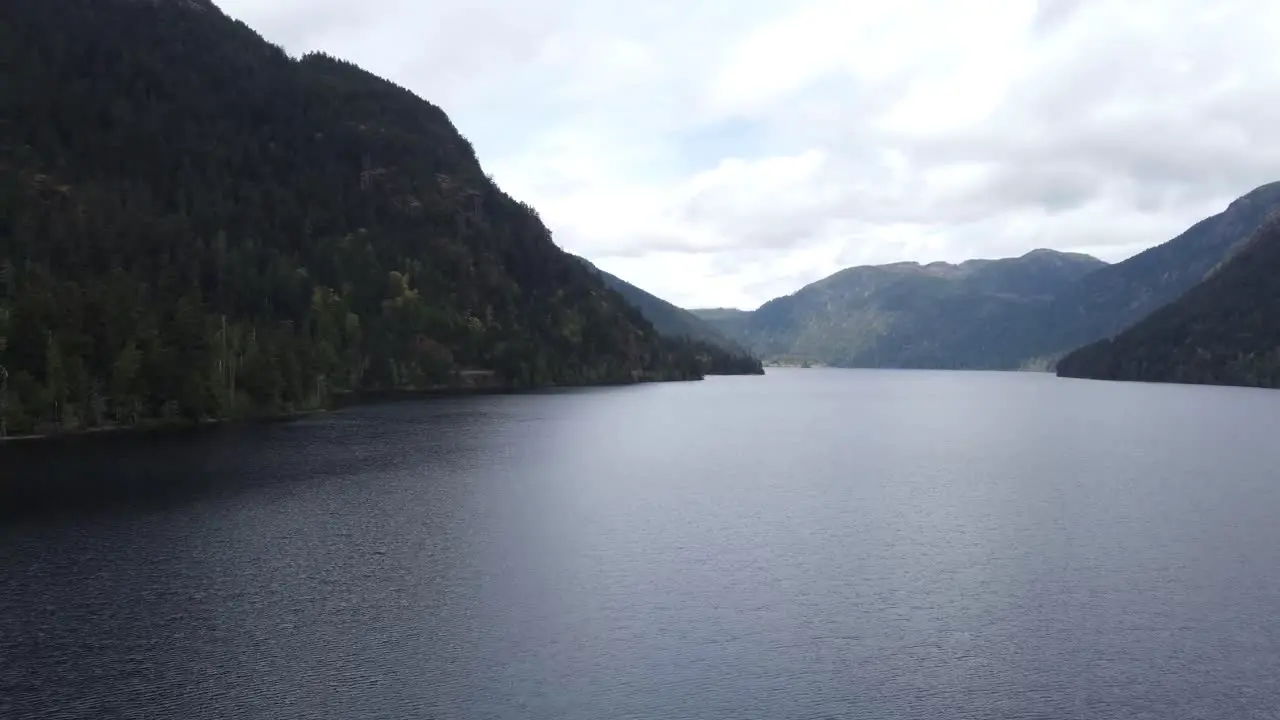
(720, 154)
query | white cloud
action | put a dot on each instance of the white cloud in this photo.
(723, 152)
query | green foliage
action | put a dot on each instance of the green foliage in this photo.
(195, 225)
(1225, 331)
(721, 356)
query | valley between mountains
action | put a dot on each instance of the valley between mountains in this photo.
(1029, 312)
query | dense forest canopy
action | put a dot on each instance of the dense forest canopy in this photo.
(194, 224)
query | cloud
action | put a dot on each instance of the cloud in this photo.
(1053, 14)
(722, 153)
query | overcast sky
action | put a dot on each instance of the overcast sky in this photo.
(724, 153)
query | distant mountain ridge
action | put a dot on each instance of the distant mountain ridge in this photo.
(904, 314)
(1014, 313)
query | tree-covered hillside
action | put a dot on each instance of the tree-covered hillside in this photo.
(904, 314)
(194, 224)
(724, 356)
(1106, 302)
(1225, 331)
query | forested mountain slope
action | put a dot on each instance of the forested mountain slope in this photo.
(1225, 331)
(676, 322)
(194, 224)
(1103, 303)
(904, 314)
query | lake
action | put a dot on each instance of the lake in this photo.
(809, 544)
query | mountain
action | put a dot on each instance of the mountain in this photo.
(1224, 331)
(1114, 298)
(904, 314)
(194, 224)
(990, 314)
(725, 356)
(728, 322)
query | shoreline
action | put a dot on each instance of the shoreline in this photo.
(159, 427)
(336, 403)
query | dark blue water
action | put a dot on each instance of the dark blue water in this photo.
(812, 544)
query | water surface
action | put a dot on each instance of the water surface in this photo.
(811, 544)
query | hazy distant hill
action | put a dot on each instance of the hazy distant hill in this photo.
(728, 322)
(904, 314)
(1224, 331)
(676, 322)
(992, 314)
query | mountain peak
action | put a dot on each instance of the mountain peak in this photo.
(1266, 190)
(1051, 254)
